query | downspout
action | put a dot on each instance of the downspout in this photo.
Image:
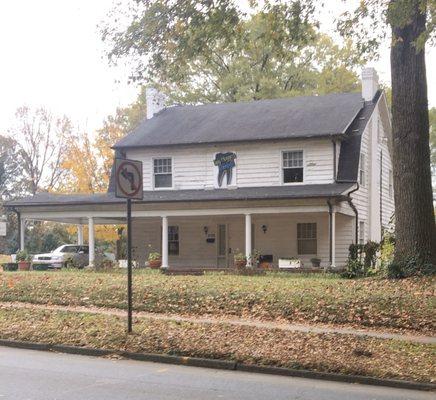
(349, 199)
(356, 213)
(329, 203)
(334, 159)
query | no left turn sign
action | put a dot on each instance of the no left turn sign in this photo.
(128, 177)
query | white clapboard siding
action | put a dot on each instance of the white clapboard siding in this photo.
(280, 239)
(257, 164)
(388, 206)
(361, 196)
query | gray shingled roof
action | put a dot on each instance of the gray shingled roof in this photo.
(166, 196)
(298, 117)
(348, 165)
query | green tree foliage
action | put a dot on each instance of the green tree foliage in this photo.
(115, 127)
(10, 169)
(199, 52)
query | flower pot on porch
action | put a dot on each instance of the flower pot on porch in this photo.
(316, 262)
(239, 264)
(10, 266)
(24, 265)
(155, 264)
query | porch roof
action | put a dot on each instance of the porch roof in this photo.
(193, 195)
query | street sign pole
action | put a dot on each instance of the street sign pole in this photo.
(129, 265)
(128, 185)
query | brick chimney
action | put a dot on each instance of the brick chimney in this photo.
(155, 101)
(369, 83)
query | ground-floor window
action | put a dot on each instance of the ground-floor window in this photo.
(307, 238)
(173, 240)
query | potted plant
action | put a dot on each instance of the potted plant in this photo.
(154, 260)
(240, 260)
(254, 258)
(316, 262)
(24, 260)
(10, 266)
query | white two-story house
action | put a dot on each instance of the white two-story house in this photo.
(298, 178)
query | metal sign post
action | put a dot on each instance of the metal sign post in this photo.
(128, 174)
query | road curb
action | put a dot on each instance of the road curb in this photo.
(222, 364)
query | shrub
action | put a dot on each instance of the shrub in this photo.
(23, 255)
(411, 266)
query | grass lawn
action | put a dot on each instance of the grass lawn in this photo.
(320, 352)
(405, 304)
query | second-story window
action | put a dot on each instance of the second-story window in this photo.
(362, 170)
(292, 164)
(163, 173)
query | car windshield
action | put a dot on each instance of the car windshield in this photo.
(66, 249)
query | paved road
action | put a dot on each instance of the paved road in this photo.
(35, 375)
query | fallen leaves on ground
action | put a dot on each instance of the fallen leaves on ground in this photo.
(377, 303)
(345, 354)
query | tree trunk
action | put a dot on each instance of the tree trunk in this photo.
(414, 213)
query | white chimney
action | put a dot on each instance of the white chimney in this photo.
(369, 83)
(155, 101)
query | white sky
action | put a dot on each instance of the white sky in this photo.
(52, 56)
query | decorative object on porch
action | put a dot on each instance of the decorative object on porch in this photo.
(316, 262)
(264, 228)
(266, 261)
(10, 266)
(205, 229)
(154, 260)
(290, 263)
(240, 260)
(24, 260)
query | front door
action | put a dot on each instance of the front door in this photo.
(222, 246)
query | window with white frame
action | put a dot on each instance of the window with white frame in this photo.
(173, 240)
(362, 169)
(162, 171)
(292, 165)
(306, 238)
(361, 232)
(391, 183)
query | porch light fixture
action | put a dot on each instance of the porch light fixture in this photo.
(264, 228)
(205, 229)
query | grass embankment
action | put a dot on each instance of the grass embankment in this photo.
(405, 304)
(319, 352)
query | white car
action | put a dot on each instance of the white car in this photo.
(64, 256)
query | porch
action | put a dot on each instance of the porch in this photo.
(209, 234)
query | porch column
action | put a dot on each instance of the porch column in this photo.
(333, 238)
(91, 241)
(22, 232)
(80, 234)
(248, 238)
(164, 242)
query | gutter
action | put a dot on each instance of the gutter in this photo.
(329, 203)
(349, 200)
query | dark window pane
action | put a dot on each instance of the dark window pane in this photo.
(70, 249)
(173, 248)
(307, 246)
(163, 181)
(292, 175)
